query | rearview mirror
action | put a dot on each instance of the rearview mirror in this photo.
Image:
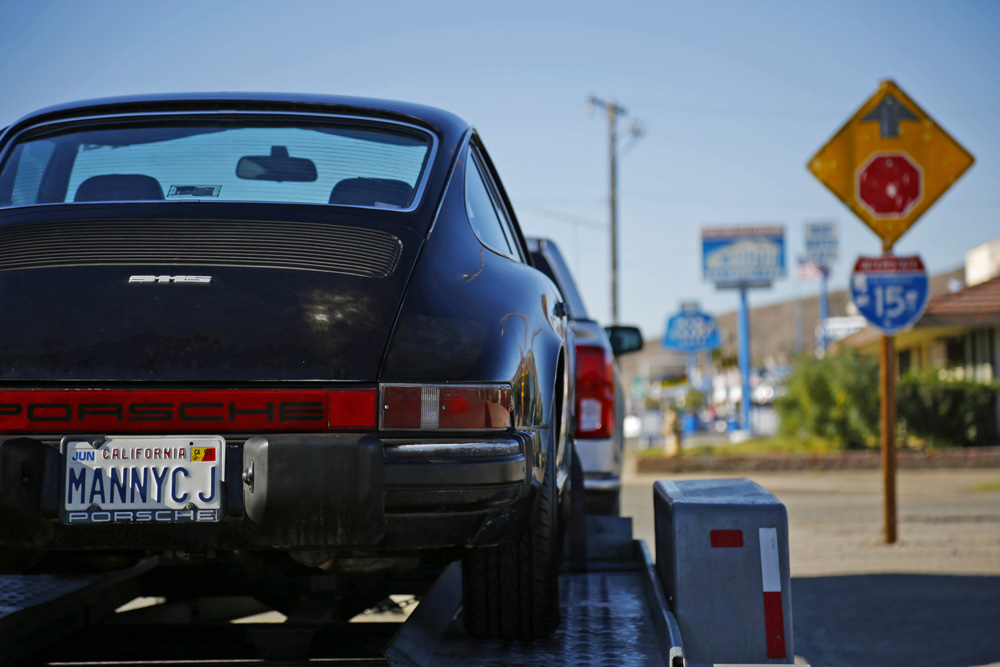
(277, 166)
(624, 339)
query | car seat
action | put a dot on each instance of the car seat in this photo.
(372, 192)
(119, 187)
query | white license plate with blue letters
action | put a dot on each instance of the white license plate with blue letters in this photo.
(142, 479)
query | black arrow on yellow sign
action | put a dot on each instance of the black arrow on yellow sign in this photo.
(889, 113)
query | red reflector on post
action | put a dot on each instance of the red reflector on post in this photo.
(774, 624)
(726, 539)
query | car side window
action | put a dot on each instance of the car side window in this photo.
(485, 214)
(26, 184)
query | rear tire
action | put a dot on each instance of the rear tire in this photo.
(511, 590)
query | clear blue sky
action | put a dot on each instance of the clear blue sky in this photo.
(735, 96)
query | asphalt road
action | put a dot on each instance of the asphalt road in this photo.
(932, 599)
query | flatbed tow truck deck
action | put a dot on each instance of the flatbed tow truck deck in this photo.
(618, 606)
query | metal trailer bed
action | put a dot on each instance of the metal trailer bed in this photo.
(619, 608)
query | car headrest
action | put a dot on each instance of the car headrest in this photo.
(371, 192)
(119, 187)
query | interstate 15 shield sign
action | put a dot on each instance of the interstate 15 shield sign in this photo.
(891, 292)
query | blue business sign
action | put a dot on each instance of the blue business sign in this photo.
(891, 292)
(743, 256)
(692, 331)
(821, 243)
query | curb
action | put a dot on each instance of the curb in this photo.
(971, 457)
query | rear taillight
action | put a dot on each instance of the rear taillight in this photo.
(412, 407)
(595, 392)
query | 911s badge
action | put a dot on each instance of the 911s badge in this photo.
(192, 280)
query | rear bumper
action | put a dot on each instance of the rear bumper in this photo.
(302, 491)
(599, 457)
(457, 475)
(602, 484)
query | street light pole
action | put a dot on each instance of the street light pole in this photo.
(613, 110)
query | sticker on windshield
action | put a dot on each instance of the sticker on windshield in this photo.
(194, 191)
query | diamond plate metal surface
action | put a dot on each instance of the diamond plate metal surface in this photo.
(605, 623)
(20, 591)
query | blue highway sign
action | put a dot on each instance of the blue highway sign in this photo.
(891, 292)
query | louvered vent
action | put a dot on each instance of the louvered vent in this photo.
(355, 251)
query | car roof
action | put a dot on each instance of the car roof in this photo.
(449, 128)
(447, 125)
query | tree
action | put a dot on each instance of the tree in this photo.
(835, 398)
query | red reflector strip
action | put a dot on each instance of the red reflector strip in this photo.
(185, 411)
(352, 409)
(774, 614)
(774, 625)
(726, 539)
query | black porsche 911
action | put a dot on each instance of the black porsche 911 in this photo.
(290, 330)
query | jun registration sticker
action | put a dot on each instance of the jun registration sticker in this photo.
(142, 479)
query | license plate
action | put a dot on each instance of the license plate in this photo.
(143, 479)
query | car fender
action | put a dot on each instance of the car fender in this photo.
(471, 315)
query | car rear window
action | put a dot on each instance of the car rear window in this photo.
(349, 163)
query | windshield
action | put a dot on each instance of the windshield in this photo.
(245, 160)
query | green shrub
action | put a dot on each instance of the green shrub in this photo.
(693, 400)
(948, 413)
(836, 398)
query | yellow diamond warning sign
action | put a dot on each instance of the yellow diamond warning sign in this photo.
(890, 162)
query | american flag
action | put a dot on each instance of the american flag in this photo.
(809, 271)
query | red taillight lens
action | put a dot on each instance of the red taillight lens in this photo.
(445, 407)
(186, 411)
(402, 407)
(475, 407)
(595, 392)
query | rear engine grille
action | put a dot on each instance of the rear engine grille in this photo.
(355, 251)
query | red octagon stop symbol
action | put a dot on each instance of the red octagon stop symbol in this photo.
(889, 185)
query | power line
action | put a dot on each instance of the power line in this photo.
(562, 217)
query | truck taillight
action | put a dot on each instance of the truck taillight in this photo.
(410, 407)
(595, 392)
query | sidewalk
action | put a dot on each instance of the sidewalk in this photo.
(932, 599)
(949, 519)
(964, 457)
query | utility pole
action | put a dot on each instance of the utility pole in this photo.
(613, 110)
